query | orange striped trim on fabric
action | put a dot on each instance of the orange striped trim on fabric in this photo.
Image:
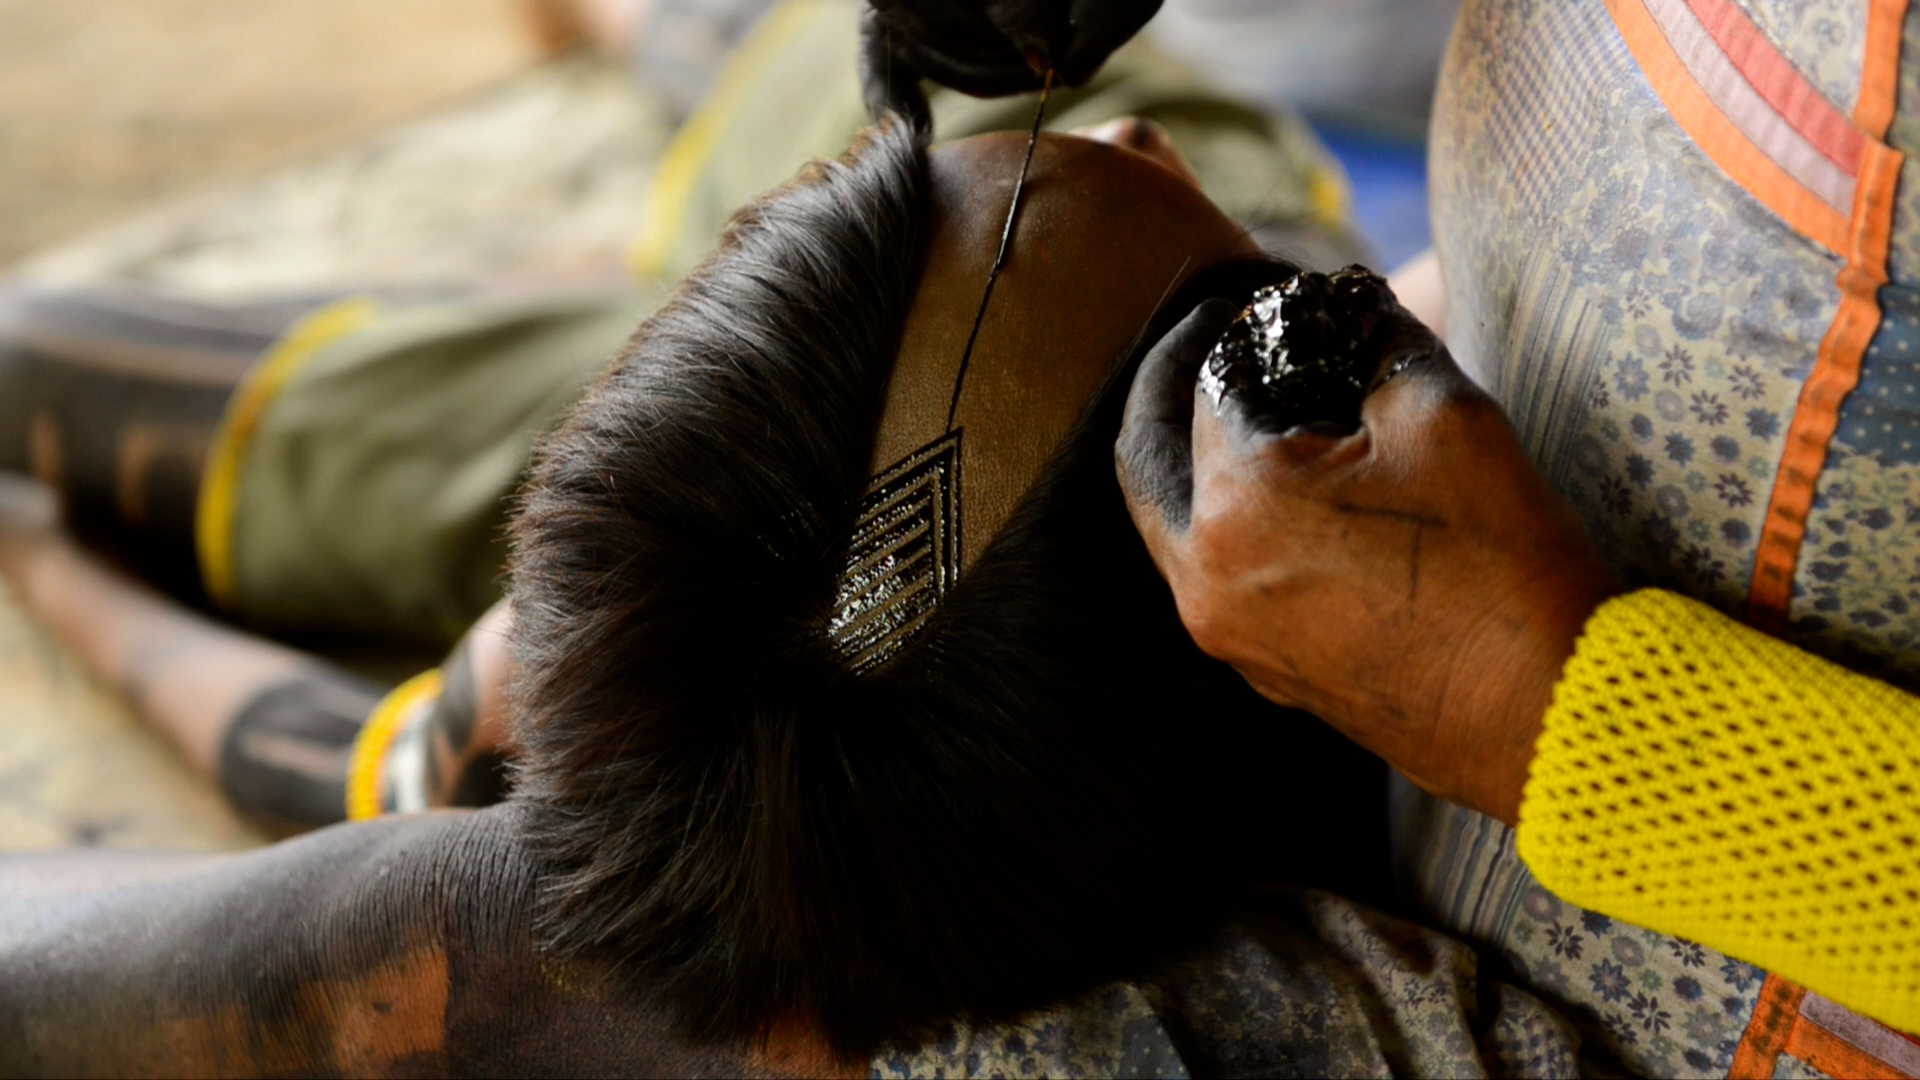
(1889, 1049)
(1784, 1021)
(1834, 1056)
(1780, 84)
(1836, 368)
(1768, 1029)
(1880, 67)
(1718, 136)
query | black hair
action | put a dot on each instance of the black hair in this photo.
(1047, 787)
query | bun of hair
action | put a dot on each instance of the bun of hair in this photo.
(1044, 788)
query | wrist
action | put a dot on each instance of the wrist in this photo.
(1507, 678)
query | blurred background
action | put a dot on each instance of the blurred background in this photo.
(112, 107)
(109, 106)
(243, 148)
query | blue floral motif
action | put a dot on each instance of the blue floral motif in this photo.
(1739, 974)
(1630, 379)
(1679, 448)
(1646, 1009)
(1615, 495)
(1671, 406)
(1700, 563)
(1733, 489)
(1609, 981)
(1676, 367)
(1763, 423)
(1621, 1028)
(1565, 941)
(1639, 470)
(1708, 409)
(1673, 503)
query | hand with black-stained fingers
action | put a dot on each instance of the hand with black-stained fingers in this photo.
(987, 48)
(1414, 582)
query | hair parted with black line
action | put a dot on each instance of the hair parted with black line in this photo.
(1046, 788)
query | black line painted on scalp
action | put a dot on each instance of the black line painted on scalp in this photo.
(1000, 257)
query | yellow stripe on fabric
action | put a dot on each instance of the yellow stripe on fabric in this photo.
(686, 156)
(1699, 778)
(376, 737)
(1328, 194)
(220, 483)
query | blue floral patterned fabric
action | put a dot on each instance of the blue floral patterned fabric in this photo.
(1646, 1004)
(1858, 583)
(1303, 984)
(1649, 327)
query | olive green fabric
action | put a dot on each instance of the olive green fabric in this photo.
(791, 94)
(372, 490)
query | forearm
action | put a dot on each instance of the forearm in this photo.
(251, 964)
(398, 946)
(1702, 779)
(183, 673)
(275, 727)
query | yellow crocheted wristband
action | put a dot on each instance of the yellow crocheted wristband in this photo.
(376, 738)
(1700, 778)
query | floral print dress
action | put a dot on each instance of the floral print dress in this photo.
(1680, 245)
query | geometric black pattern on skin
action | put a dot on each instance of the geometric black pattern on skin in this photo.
(284, 756)
(904, 556)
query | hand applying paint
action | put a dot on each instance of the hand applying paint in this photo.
(987, 49)
(1406, 575)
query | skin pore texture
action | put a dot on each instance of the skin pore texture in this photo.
(404, 946)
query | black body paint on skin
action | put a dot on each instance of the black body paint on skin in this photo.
(479, 780)
(1006, 242)
(284, 756)
(1154, 452)
(1305, 350)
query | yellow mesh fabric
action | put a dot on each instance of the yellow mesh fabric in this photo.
(1699, 778)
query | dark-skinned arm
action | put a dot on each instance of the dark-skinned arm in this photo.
(273, 726)
(397, 947)
(1416, 583)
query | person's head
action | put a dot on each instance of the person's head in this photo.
(848, 693)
